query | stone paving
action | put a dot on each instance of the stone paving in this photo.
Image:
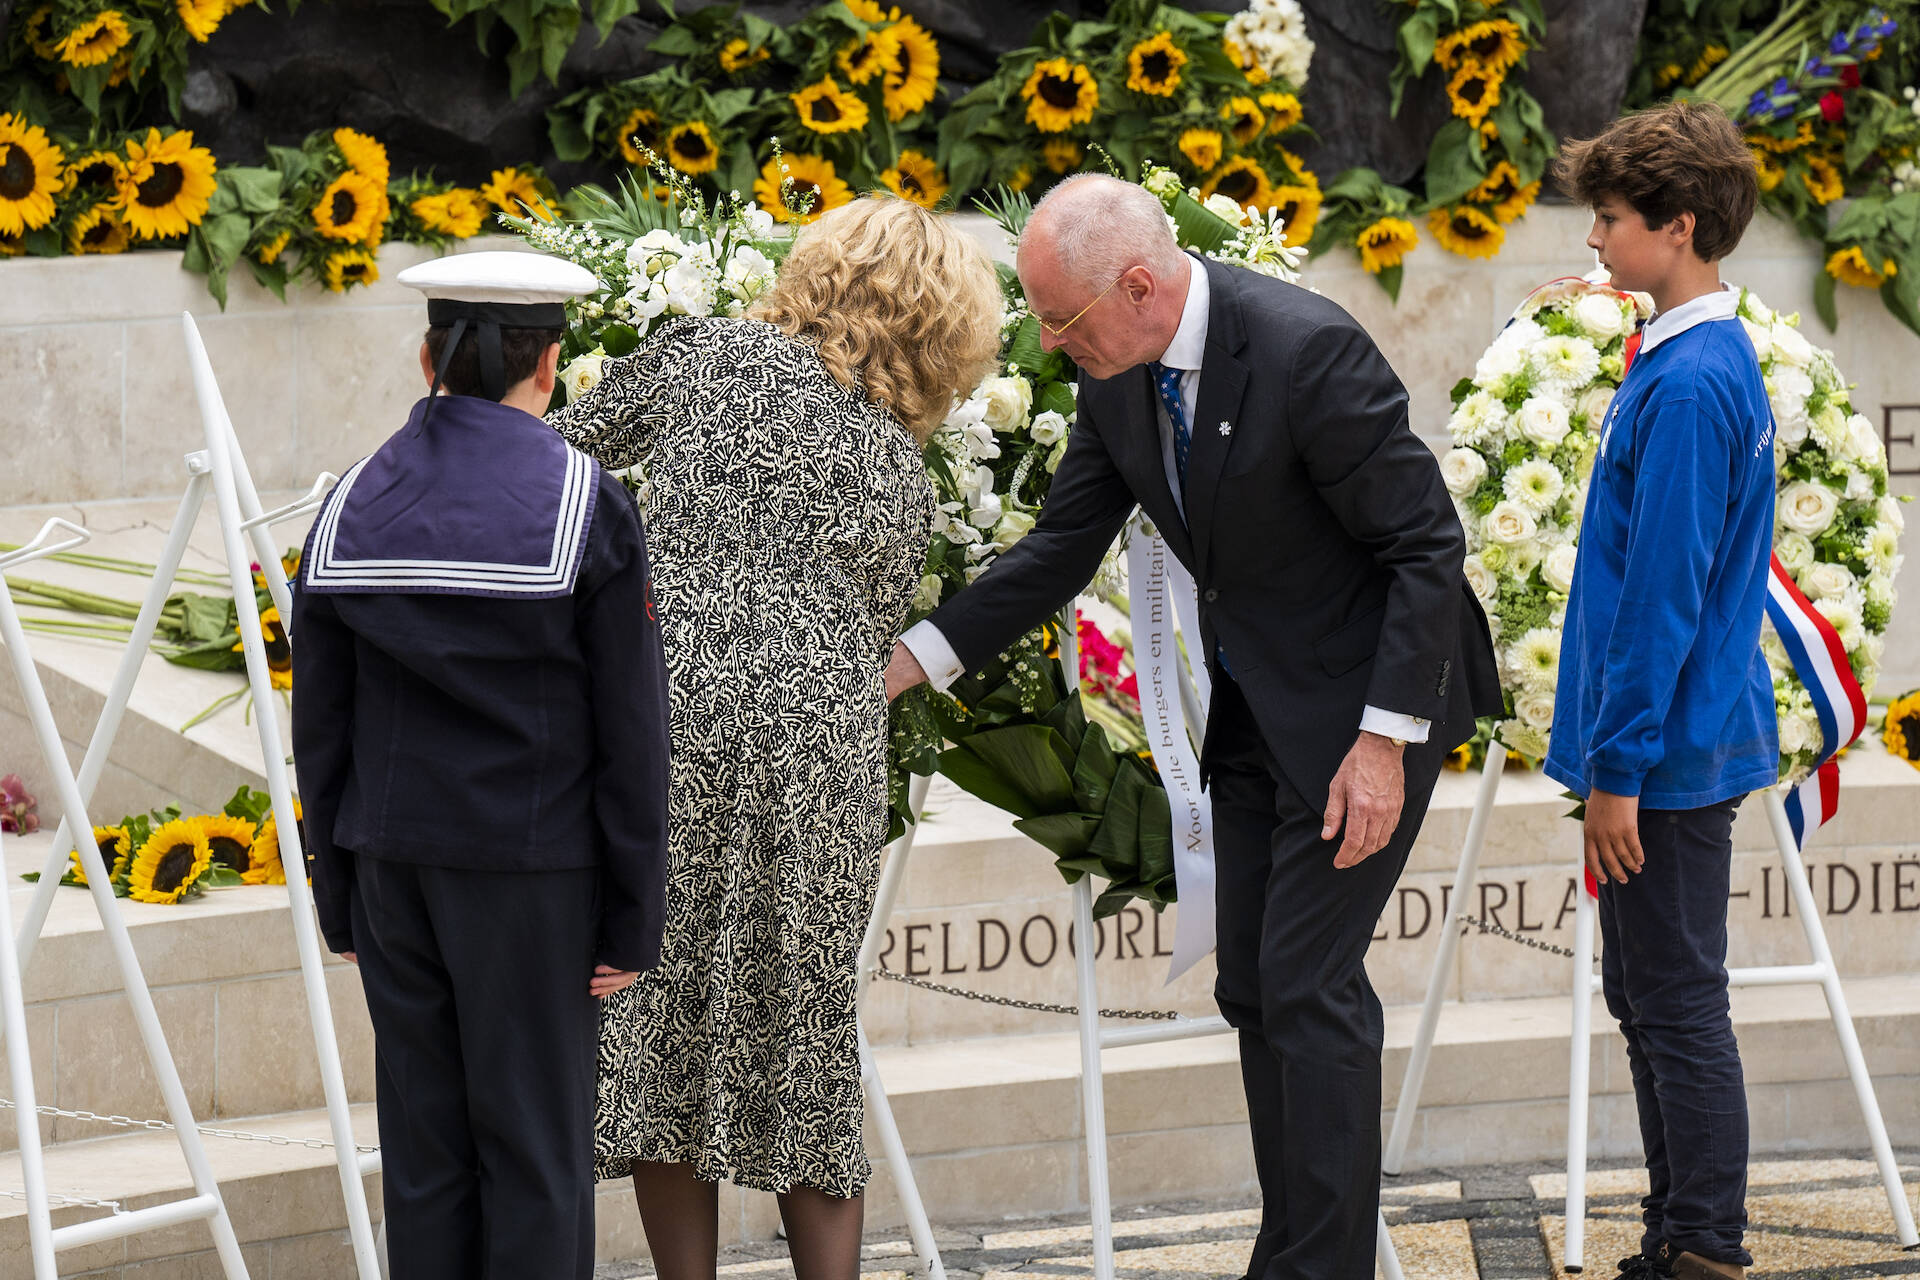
(1815, 1216)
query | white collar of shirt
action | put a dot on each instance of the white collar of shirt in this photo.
(1671, 324)
(1188, 350)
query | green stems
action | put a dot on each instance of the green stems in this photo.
(1732, 83)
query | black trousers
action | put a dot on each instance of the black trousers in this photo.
(485, 1039)
(1663, 965)
(1293, 935)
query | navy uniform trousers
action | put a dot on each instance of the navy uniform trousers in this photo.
(474, 980)
(1293, 934)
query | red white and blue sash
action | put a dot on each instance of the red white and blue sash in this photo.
(1820, 660)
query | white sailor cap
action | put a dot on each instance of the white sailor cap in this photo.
(492, 290)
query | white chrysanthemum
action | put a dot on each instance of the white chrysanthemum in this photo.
(1510, 523)
(1807, 507)
(1883, 548)
(1524, 738)
(1567, 362)
(1462, 470)
(1536, 484)
(1829, 429)
(1534, 659)
(1845, 617)
(1502, 360)
(1480, 580)
(1557, 569)
(1543, 420)
(1886, 509)
(1859, 486)
(1525, 556)
(1879, 590)
(1478, 418)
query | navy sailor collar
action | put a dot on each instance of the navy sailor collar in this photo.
(479, 499)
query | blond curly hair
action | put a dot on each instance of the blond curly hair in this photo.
(903, 308)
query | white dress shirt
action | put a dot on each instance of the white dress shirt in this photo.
(1187, 352)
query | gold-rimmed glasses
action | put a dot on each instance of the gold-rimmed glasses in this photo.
(1060, 331)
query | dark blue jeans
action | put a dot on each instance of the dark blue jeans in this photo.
(1664, 969)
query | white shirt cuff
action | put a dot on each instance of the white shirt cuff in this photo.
(1388, 724)
(935, 656)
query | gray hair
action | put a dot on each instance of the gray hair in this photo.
(1101, 226)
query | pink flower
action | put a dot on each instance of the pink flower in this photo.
(1832, 106)
(17, 815)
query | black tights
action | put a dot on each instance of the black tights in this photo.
(681, 1214)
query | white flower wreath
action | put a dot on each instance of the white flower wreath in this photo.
(1524, 431)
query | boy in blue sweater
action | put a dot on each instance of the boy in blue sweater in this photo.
(1664, 715)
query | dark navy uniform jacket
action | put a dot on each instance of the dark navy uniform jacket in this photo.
(477, 672)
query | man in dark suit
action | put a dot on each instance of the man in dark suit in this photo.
(1265, 436)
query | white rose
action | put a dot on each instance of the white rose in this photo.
(1462, 470)
(1481, 580)
(1887, 511)
(1807, 508)
(583, 374)
(1824, 581)
(1601, 316)
(1535, 710)
(1543, 421)
(1013, 526)
(1758, 335)
(1796, 735)
(1594, 404)
(1557, 569)
(1795, 552)
(1790, 346)
(1008, 401)
(1048, 428)
(1226, 207)
(1510, 523)
(1865, 442)
(1502, 360)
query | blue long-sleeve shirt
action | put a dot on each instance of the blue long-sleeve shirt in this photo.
(1663, 691)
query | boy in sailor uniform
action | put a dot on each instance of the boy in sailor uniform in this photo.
(480, 733)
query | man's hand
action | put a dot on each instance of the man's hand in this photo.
(1613, 836)
(351, 957)
(903, 672)
(1366, 795)
(607, 980)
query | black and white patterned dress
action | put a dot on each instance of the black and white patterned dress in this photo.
(787, 521)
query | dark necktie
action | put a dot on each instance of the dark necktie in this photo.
(1167, 382)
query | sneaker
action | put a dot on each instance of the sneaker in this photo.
(1641, 1267)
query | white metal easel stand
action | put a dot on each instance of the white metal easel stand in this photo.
(222, 466)
(1821, 971)
(46, 1240)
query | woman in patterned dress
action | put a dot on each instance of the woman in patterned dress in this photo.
(787, 514)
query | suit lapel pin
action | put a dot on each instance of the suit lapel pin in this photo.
(1226, 428)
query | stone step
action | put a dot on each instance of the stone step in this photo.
(994, 1131)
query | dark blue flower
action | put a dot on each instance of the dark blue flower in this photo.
(1840, 43)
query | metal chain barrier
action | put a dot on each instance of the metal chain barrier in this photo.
(1036, 1006)
(1489, 926)
(237, 1135)
(58, 1200)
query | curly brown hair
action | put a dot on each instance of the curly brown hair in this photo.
(1682, 157)
(902, 306)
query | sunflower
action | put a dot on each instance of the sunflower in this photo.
(825, 108)
(122, 69)
(169, 863)
(1459, 759)
(101, 170)
(1240, 179)
(1020, 179)
(516, 192)
(691, 148)
(1823, 180)
(342, 269)
(345, 267)
(1245, 63)
(1489, 134)
(1667, 75)
(1850, 266)
(1474, 91)
(1710, 57)
(1298, 168)
(1283, 111)
(113, 843)
(736, 56)
(1202, 147)
(867, 10)
(1299, 209)
(874, 54)
(1503, 191)
(810, 175)
(1768, 170)
(96, 41)
(456, 212)
(268, 867)
(1062, 155)
(1244, 119)
(1060, 94)
(269, 253)
(201, 18)
(1385, 243)
(911, 81)
(639, 135)
(364, 155)
(37, 30)
(168, 183)
(29, 175)
(1153, 66)
(229, 840)
(917, 178)
(98, 230)
(11, 246)
(347, 208)
(1466, 231)
(1902, 731)
(1496, 45)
